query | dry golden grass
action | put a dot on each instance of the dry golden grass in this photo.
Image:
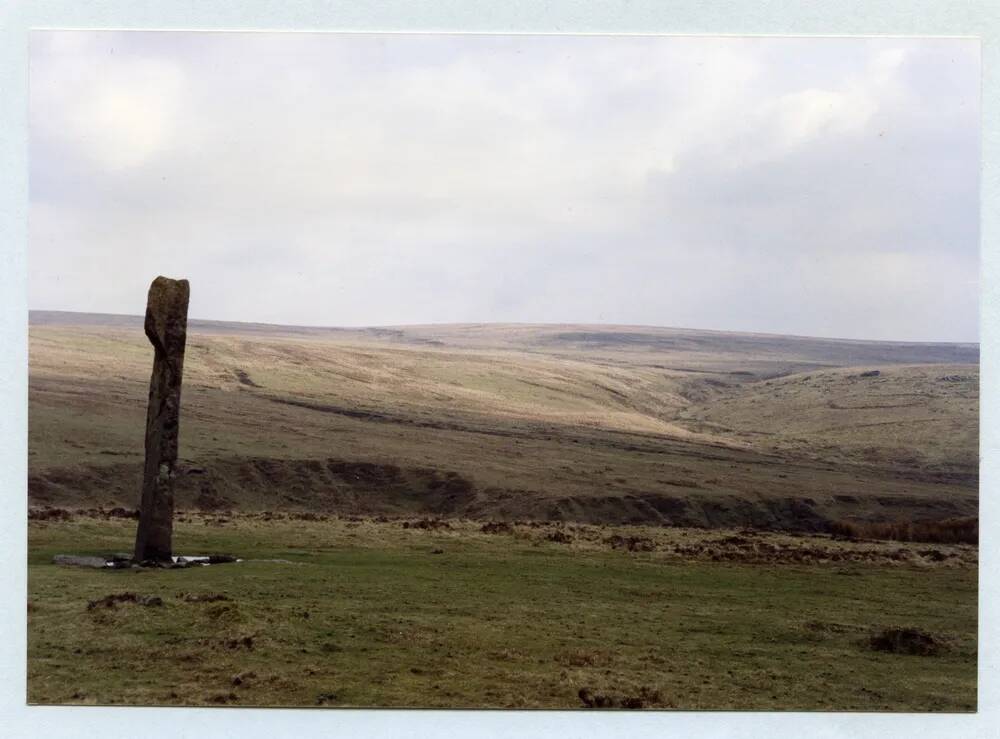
(573, 422)
(922, 415)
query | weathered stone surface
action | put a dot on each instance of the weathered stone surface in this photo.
(166, 329)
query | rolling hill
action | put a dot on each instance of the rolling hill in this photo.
(601, 424)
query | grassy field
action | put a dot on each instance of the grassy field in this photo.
(368, 613)
(657, 506)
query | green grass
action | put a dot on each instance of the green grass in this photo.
(367, 615)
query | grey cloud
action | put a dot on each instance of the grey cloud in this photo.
(811, 186)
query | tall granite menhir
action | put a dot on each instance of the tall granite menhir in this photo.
(166, 328)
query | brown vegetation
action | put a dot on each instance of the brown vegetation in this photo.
(946, 531)
(645, 697)
(906, 641)
(110, 601)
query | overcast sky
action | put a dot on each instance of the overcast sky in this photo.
(823, 187)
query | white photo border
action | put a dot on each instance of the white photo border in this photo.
(950, 18)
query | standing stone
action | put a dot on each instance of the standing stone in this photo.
(166, 328)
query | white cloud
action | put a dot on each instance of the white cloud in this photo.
(127, 121)
(118, 115)
(806, 115)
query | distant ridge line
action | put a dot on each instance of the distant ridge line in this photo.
(80, 318)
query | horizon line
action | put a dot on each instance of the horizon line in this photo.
(513, 323)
